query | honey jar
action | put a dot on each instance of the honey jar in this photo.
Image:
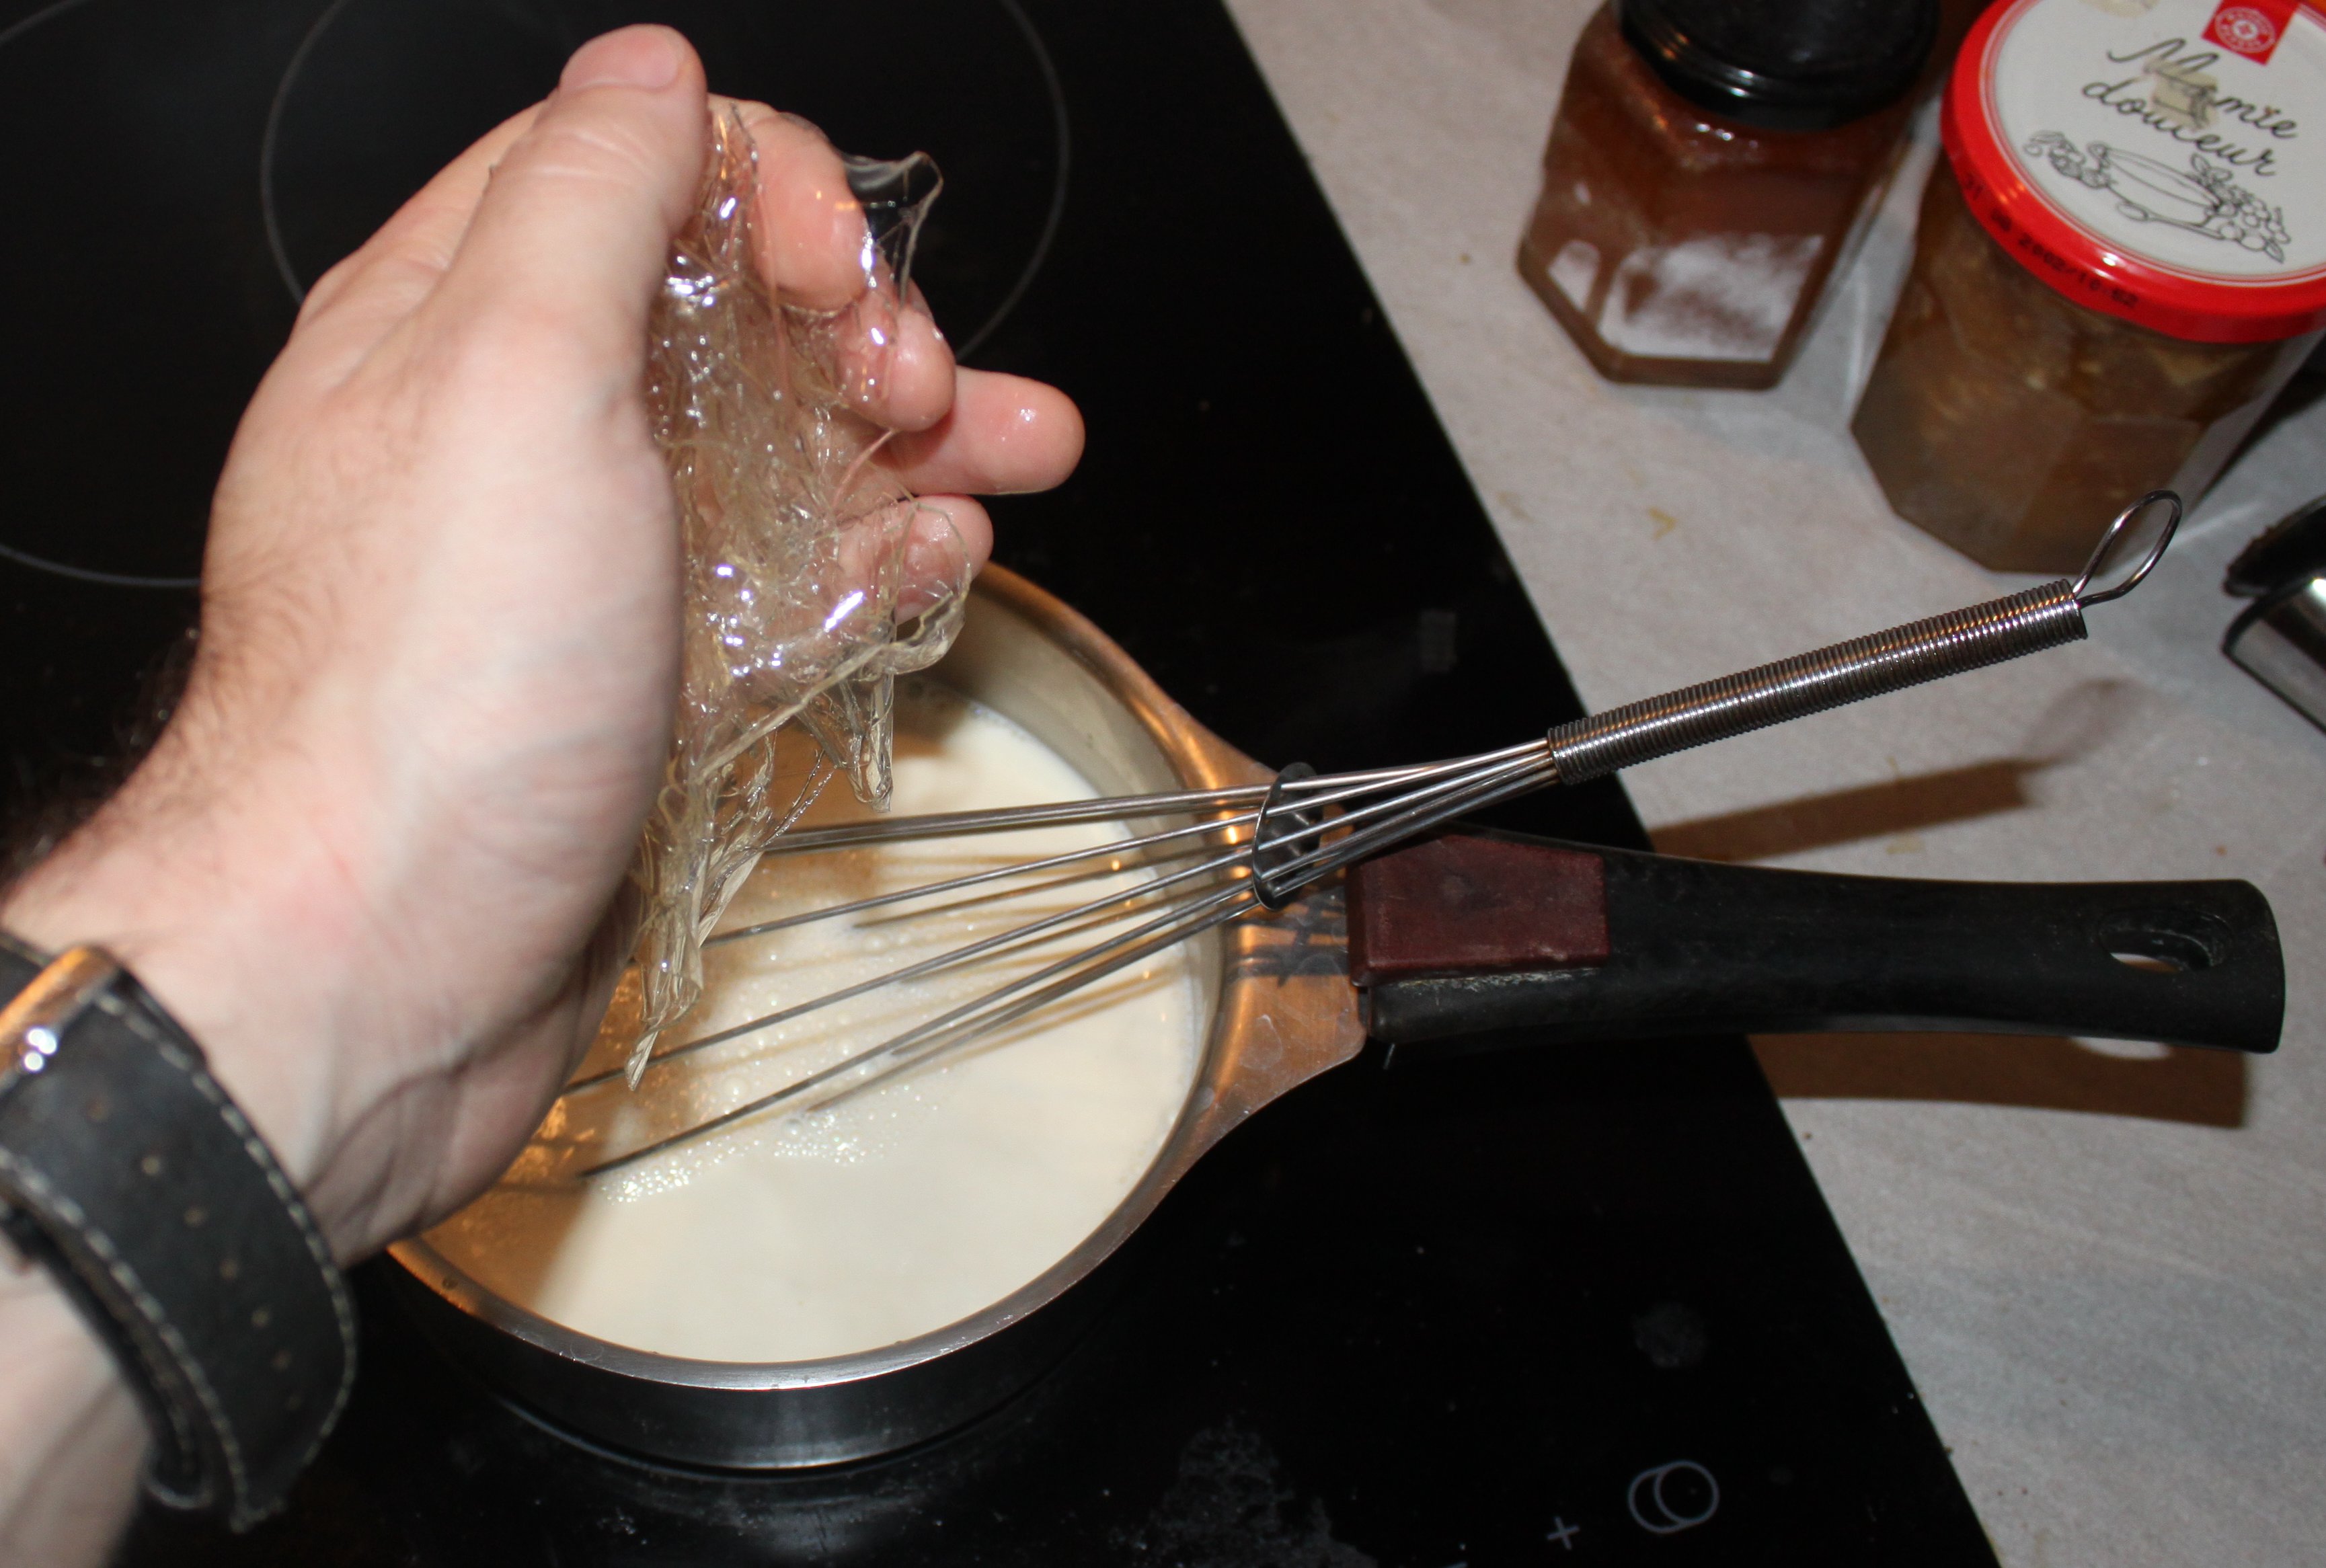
(1711, 163)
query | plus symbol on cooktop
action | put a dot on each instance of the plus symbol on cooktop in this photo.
(1563, 1533)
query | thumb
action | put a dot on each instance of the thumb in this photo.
(568, 245)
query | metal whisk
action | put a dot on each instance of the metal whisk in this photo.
(1257, 847)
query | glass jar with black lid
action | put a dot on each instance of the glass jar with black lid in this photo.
(1711, 162)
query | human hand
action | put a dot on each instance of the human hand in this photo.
(440, 639)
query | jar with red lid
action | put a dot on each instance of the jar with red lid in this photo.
(1710, 164)
(2121, 259)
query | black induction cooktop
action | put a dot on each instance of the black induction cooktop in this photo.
(1494, 1304)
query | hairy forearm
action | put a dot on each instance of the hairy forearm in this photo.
(71, 1439)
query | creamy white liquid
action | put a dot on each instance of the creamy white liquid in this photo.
(902, 1209)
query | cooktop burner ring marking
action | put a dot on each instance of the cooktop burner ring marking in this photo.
(10, 33)
(9, 36)
(1050, 220)
(276, 245)
(279, 248)
(83, 574)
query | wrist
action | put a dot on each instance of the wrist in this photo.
(234, 932)
(390, 1044)
(132, 1177)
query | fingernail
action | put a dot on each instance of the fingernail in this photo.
(636, 56)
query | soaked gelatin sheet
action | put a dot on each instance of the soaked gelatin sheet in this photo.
(812, 576)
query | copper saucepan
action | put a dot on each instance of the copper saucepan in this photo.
(1460, 934)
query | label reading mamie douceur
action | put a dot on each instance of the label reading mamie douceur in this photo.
(2185, 133)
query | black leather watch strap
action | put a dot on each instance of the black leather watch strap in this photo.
(127, 1170)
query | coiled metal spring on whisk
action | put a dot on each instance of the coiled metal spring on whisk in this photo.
(1258, 846)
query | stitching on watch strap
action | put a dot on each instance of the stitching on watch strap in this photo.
(176, 1379)
(342, 1305)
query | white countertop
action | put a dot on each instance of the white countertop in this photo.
(2106, 1267)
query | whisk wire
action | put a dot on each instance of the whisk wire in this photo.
(1383, 823)
(997, 874)
(1008, 819)
(1096, 912)
(972, 1019)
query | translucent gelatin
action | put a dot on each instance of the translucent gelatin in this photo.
(812, 578)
